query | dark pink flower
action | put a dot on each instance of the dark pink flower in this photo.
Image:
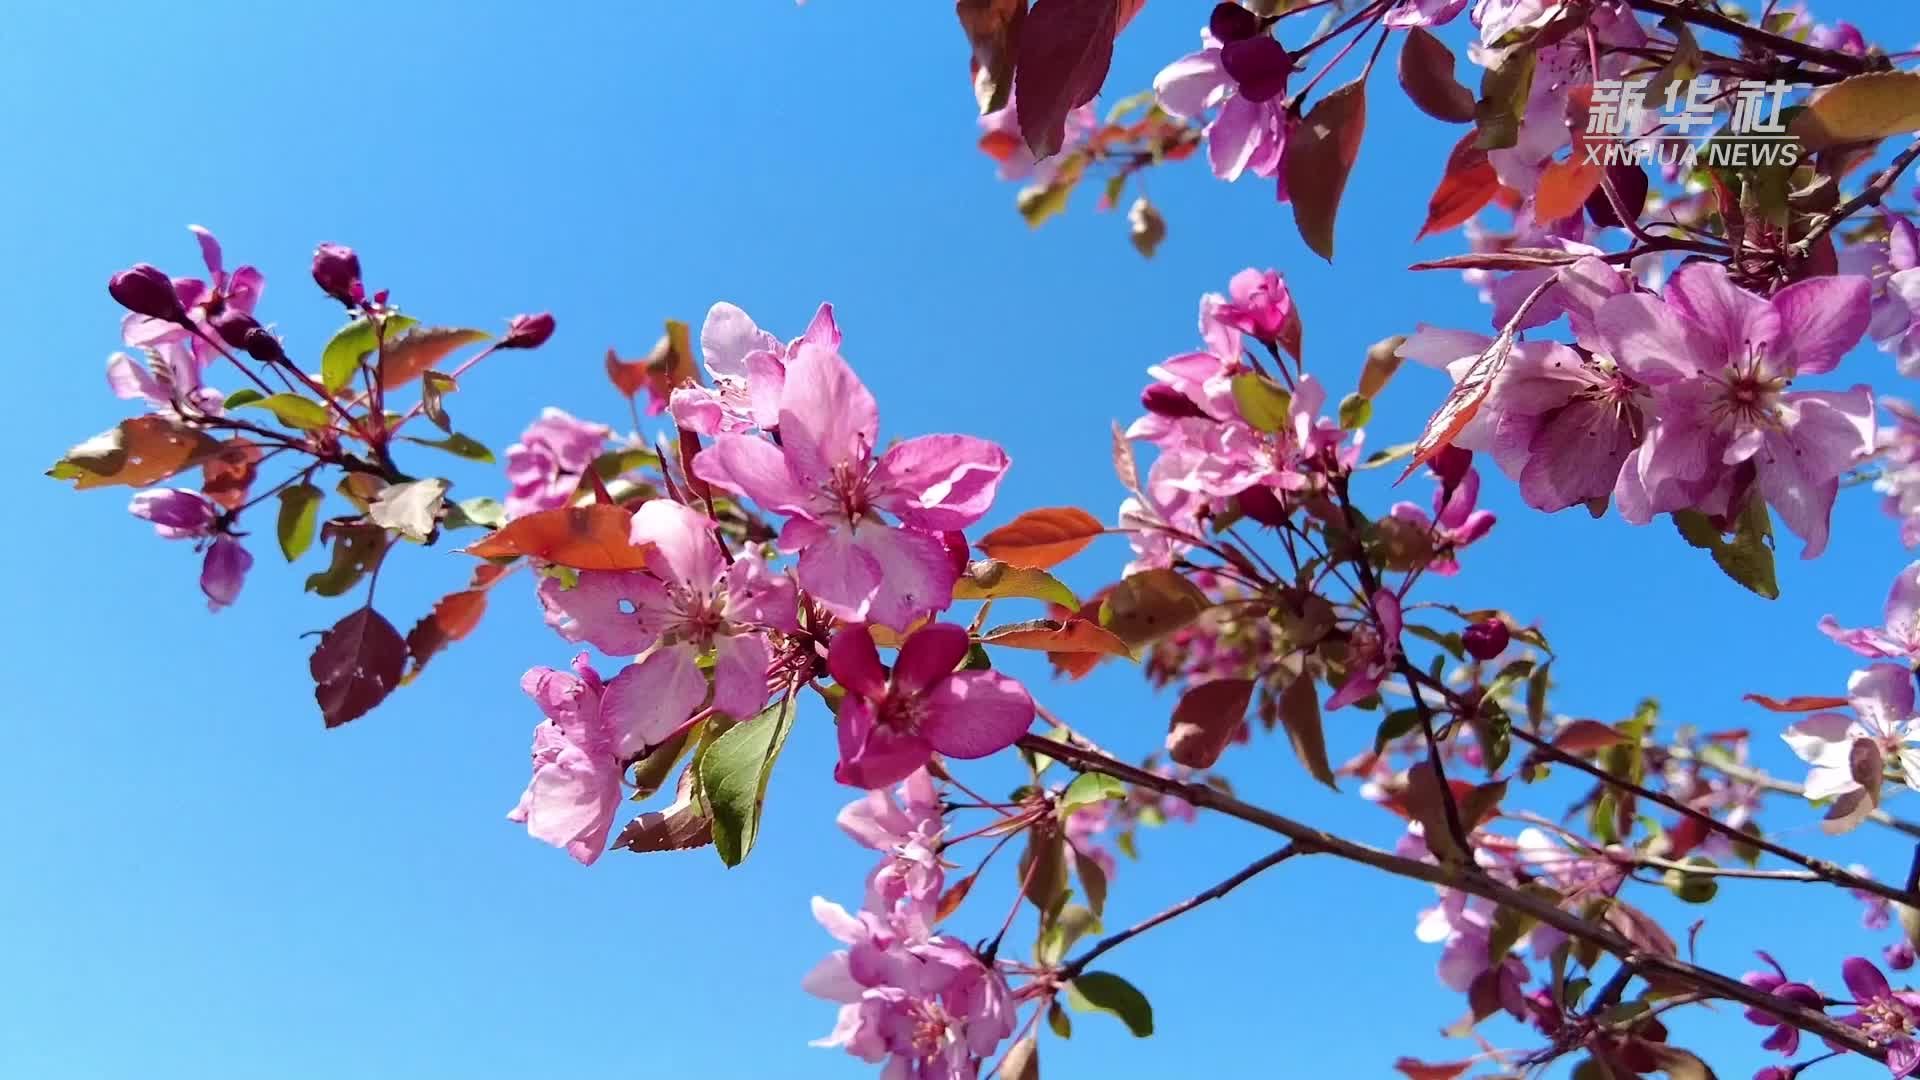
(1889, 1018)
(1372, 650)
(544, 467)
(224, 571)
(891, 725)
(1784, 1037)
(528, 331)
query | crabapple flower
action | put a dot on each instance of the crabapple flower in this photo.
(1423, 13)
(1719, 360)
(1372, 651)
(891, 725)
(224, 571)
(575, 790)
(1240, 77)
(1894, 269)
(1898, 446)
(1849, 755)
(1784, 1038)
(1260, 305)
(1464, 927)
(169, 383)
(544, 467)
(1900, 637)
(1890, 1019)
(907, 832)
(748, 367)
(824, 475)
(692, 601)
(199, 303)
(1456, 522)
(176, 513)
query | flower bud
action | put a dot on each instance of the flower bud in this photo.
(1231, 22)
(233, 326)
(145, 289)
(1486, 640)
(336, 269)
(528, 331)
(1262, 505)
(1163, 400)
(224, 571)
(1899, 956)
(176, 513)
(1630, 183)
(1259, 66)
(1451, 465)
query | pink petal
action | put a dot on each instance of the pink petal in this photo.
(209, 252)
(1864, 979)
(976, 713)
(873, 755)
(1650, 341)
(727, 336)
(822, 330)
(684, 539)
(129, 379)
(874, 821)
(1822, 318)
(1883, 696)
(915, 575)
(828, 419)
(766, 384)
(837, 573)
(648, 701)
(1814, 739)
(927, 656)
(740, 664)
(1233, 137)
(759, 596)
(939, 482)
(1730, 317)
(621, 613)
(751, 466)
(1190, 85)
(854, 662)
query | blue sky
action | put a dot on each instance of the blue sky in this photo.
(209, 885)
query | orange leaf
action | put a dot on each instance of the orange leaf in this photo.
(1585, 736)
(1075, 635)
(138, 453)
(453, 617)
(1564, 188)
(226, 476)
(1467, 185)
(1421, 1070)
(1042, 538)
(408, 357)
(1464, 401)
(582, 537)
(1801, 703)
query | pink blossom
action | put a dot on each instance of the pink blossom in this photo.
(1784, 1038)
(1456, 522)
(1424, 12)
(907, 832)
(1464, 928)
(1242, 81)
(748, 367)
(575, 790)
(545, 466)
(1719, 360)
(1894, 268)
(1850, 755)
(224, 571)
(1888, 1019)
(691, 602)
(1898, 446)
(891, 725)
(238, 291)
(1900, 638)
(823, 474)
(168, 380)
(176, 513)
(1083, 828)
(1371, 651)
(1261, 305)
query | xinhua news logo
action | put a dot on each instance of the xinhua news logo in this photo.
(1624, 128)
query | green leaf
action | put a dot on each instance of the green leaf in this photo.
(1088, 789)
(991, 579)
(1355, 411)
(1103, 991)
(1059, 1021)
(733, 772)
(1262, 402)
(1504, 91)
(1320, 155)
(1860, 109)
(482, 511)
(246, 395)
(1748, 557)
(1038, 202)
(434, 387)
(299, 515)
(294, 411)
(349, 346)
(458, 445)
(1398, 724)
(411, 509)
(1692, 888)
(356, 548)
(1074, 923)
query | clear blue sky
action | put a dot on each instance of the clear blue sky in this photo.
(207, 884)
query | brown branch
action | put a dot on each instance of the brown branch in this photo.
(1079, 964)
(1468, 879)
(1740, 774)
(1753, 35)
(1870, 195)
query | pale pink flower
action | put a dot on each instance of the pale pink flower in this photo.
(1849, 755)
(891, 725)
(545, 466)
(170, 378)
(748, 368)
(907, 832)
(825, 477)
(1372, 650)
(1457, 522)
(575, 790)
(1900, 637)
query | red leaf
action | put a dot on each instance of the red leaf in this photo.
(1042, 538)
(1064, 50)
(993, 29)
(355, 667)
(582, 537)
(1586, 736)
(1799, 703)
(228, 474)
(1320, 154)
(1206, 720)
(453, 617)
(1076, 665)
(1420, 1070)
(1075, 635)
(1426, 73)
(1467, 185)
(1464, 401)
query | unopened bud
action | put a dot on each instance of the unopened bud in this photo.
(1231, 22)
(234, 326)
(528, 331)
(1486, 640)
(1262, 505)
(145, 289)
(1163, 400)
(1451, 465)
(336, 269)
(1630, 184)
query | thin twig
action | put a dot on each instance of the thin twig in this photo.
(1078, 964)
(1753, 35)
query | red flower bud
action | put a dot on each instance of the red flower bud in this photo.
(528, 331)
(1451, 465)
(145, 289)
(1163, 400)
(1630, 183)
(1259, 65)
(234, 326)
(1486, 640)
(1231, 22)
(336, 269)
(1262, 505)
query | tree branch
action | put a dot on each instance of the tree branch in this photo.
(1740, 774)
(1079, 964)
(1468, 879)
(1753, 35)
